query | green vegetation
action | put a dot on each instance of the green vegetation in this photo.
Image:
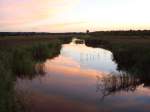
(23, 57)
(24, 61)
(131, 52)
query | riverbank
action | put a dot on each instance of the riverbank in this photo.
(22, 56)
(24, 59)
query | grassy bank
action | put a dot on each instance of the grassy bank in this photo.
(24, 61)
(22, 56)
(131, 53)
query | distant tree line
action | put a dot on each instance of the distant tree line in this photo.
(36, 33)
(122, 33)
(96, 33)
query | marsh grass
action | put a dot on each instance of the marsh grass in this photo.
(24, 61)
(131, 53)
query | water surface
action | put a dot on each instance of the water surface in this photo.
(84, 79)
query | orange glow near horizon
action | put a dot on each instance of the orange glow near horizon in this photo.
(73, 15)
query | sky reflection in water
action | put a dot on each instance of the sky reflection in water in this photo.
(71, 84)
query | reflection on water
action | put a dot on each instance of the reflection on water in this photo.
(79, 78)
(89, 58)
(111, 84)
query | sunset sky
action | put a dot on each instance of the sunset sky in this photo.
(73, 15)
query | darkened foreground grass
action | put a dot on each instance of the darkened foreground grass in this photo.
(24, 61)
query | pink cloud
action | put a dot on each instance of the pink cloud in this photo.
(17, 13)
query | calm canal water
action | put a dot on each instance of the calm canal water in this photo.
(84, 79)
